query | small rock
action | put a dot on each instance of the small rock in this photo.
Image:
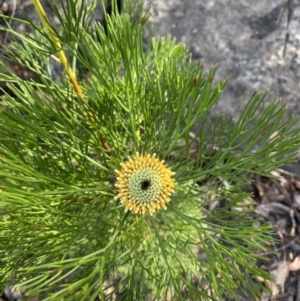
(178, 14)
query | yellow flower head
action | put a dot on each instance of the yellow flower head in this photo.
(144, 184)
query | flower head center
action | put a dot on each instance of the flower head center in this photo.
(145, 184)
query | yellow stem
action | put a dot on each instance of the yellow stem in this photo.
(58, 47)
(63, 60)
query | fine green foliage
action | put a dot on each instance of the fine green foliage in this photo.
(63, 235)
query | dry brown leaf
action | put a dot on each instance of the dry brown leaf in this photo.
(279, 274)
(296, 200)
(295, 265)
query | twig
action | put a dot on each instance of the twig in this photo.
(289, 18)
(279, 249)
(279, 17)
(298, 289)
(281, 190)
